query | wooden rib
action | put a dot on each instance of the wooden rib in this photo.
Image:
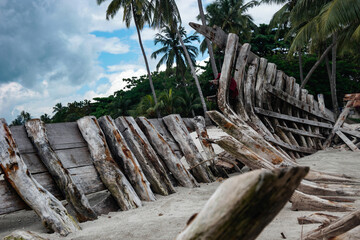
(351, 132)
(301, 132)
(295, 102)
(347, 141)
(316, 130)
(305, 115)
(291, 147)
(290, 118)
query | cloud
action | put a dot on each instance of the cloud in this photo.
(147, 34)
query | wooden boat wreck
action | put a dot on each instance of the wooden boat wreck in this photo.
(129, 160)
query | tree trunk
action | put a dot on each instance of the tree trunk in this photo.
(243, 205)
(146, 155)
(208, 43)
(193, 72)
(333, 77)
(301, 67)
(74, 195)
(312, 70)
(146, 62)
(109, 171)
(52, 213)
(192, 155)
(126, 159)
(164, 150)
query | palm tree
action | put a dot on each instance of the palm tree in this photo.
(140, 11)
(167, 13)
(172, 50)
(208, 43)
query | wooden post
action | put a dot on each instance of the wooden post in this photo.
(243, 205)
(52, 213)
(146, 155)
(109, 172)
(200, 128)
(180, 173)
(126, 159)
(192, 155)
(74, 195)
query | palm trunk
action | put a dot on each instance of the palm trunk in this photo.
(333, 77)
(312, 70)
(208, 43)
(301, 66)
(146, 63)
(193, 73)
(328, 68)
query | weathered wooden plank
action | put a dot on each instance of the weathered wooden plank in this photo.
(301, 132)
(161, 128)
(166, 153)
(73, 193)
(322, 218)
(295, 102)
(290, 147)
(239, 209)
(52, 213)
(151, 164)
(174, 123)
(351, 132)
(291, 118)
(86, 177)
(126, 159)
(108, 170)
(321, 103)
(347, 141)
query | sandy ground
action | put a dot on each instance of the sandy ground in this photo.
(166, 217)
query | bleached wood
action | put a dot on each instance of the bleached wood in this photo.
(109, 171)
(146, 155)
(305, 202)
(177, 128)
(350, 132)
(23, 235)
(239, 209)
(73, 193)
(336, 228)
(200, 128)
(301, 132)
(126, 159)
(347, 141)
(324, 219)
(168, 156)
(52, 213)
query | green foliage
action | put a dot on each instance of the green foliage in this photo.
(21, 118)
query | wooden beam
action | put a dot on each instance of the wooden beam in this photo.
(295, 102)
(109, 171)
(351, 132)
(243, 205)
(347, 141)
(301, 132)
(52, 213)
(291, 147)
(291, 118)
(73, 193)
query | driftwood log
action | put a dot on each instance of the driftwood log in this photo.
(109, 171)
(324, 219)
(177, 128)
(150, 163)
(336, 228)
(52, 213)
(126, 159)
(73, 193)
(255, 197)
(23, 235)
(180, 173)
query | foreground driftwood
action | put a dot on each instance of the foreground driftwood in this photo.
(23, 235)
(336, 228)
(324, 219)
(109, 172)
(180, 173)
(146, 155)
(126, 159)
(52, 213)
(243, 205)
(192, 155)
(74, 195)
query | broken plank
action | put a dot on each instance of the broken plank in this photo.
(351, 132)
(347, 141)
(291, 118)
(290, 146)
(301, 132)
(295, 102)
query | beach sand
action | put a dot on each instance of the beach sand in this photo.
(166, 217)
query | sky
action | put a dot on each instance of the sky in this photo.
(55, 51)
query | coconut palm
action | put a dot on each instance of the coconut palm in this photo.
(140, 12)
(172, 50)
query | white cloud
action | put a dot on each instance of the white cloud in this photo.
(147, 34)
